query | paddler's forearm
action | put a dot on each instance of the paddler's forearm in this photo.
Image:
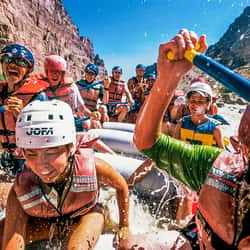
(123, 204)
(149, 121)
(106, 174)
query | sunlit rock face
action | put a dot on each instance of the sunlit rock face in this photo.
(233, 49)
(45, 27)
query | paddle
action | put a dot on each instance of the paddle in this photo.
(80, 120)
(2, 108)
(114, 103)
(91, 85)
(227, 77)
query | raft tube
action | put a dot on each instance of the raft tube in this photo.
(151, 185)
(118, 141)
(124, 165)
(123, 126)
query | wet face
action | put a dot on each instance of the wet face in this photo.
(244, 128)
(14, 69)
(90, 77)
(116, 74)
(198, 104)
(140, 72)
(47, 163)
(55, 77)
(150, 82)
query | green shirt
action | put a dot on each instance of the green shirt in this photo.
(187, 163)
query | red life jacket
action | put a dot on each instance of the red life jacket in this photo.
(62, 91)
(116, 89)
(222, 210)
(89, 95)
(28, 89)
(79, 196)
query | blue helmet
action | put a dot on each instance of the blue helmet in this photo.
(150, 75)
(18, 50)
(91, 69)
(117, 68)
(140, 66)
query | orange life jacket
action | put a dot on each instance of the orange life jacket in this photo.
(26, 92)
(224, 204)
(80, 193)
(62, 91)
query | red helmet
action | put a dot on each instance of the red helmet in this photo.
(55, 62)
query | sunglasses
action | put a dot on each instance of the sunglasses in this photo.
(17, 60)
(90, 73)
(117, 72)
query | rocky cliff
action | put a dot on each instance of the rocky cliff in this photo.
(45, 27)
(233, 49)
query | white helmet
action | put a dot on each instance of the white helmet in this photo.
(202, 88)
(44, 124)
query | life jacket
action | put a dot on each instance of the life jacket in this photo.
(28, 89)
(62, 91)
(136, 88)
(116, 89)
(80, 193)
(201, 135)
(91, 94)
(224, 204)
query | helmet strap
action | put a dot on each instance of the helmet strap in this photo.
(68, 168)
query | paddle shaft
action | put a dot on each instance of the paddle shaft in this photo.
(224, 75)
(2, 108)
(114, 103)
(90, 85)
(79, 120)
(227, 77)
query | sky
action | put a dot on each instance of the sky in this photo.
(129, 32)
